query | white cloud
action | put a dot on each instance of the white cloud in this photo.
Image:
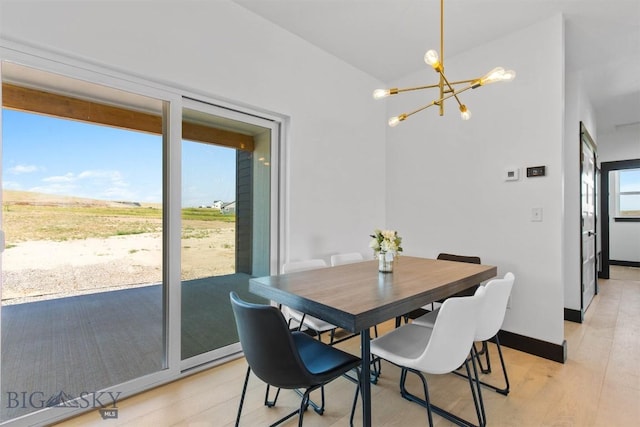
(20, 169)
(97, 184)
(69, 177)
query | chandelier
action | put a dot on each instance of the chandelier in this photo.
(446, 88)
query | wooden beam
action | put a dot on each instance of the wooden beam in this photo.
(55, 105)
(203, 133)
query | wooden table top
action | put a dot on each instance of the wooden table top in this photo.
(356, 296)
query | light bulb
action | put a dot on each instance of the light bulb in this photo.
(431, 58)
(381, 93)
(509, 75)
(464, 112)
(492, 76)
(393, 121)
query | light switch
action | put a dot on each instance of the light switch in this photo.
(536, 214)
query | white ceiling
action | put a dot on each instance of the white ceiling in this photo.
(387, 38)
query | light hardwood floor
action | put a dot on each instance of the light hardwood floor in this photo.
(599, 385)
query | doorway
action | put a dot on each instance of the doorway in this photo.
(588, 246)
(607, 169)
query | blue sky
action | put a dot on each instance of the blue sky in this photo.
(63, 157)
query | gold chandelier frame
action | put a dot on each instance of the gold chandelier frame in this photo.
(446, 88)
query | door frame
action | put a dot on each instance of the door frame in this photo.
(607, 167)
(585, 137)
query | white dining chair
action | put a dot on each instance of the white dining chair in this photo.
(489, 323)
(346, 258)
(438, 350)
(443, 256)
(318, 326)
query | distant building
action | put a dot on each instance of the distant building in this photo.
(228, 208)
(217, 204)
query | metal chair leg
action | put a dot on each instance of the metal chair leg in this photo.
(477, 398)
(355, 399)
(244, 391)
(504, 391)
(272, 403)
(484, 351)
(413, 398)
(474, 384)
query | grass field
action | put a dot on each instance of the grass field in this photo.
(59, 246)
(61, 219)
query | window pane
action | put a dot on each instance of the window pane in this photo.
(224, 190)
(629, 196)
(629, 180)
(82, 275)
(630, 204)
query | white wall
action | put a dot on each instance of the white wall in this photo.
(445, 187)
(335, 134)
(621, 144)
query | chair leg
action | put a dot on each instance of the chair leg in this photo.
(318, 408)
(485, 351)
(268, 403)
(355, 398)
(476, 392)
(272, 403)
(376, 369)
(413, 398)
(504, 391)
(244, 391)
(303, 407)
(477, 398)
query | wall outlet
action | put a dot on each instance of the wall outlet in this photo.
(536, 214)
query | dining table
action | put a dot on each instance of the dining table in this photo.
(356, 296)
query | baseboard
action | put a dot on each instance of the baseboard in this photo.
(624, 263)
(573, 315)
(544, 349)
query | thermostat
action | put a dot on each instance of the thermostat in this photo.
(536, 171)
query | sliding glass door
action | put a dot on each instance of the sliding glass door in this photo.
(82, 210)
(130, 213)
(226, 184)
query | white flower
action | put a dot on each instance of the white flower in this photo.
(386, 241)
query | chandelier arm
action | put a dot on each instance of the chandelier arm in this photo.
(436, 102)
(395, 90)
(452, 91)
(408, 89)
(459, 82)
(406, 115)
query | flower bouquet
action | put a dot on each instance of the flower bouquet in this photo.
(386, 244)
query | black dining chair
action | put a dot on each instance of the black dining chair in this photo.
(288, 359)
(465, 293)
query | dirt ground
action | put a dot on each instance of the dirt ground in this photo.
(43, 269)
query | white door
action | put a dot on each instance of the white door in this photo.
(588, 195)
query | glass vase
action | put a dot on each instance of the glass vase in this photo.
(385, 262)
